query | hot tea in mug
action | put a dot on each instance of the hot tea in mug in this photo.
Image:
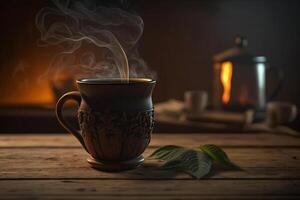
(116, 119)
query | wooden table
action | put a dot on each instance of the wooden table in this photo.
(54, 166)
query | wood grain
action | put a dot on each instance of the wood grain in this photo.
(267, 163)
(235, 139)
(55, 167)
(184, 189)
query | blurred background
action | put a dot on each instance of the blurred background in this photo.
(179, 41)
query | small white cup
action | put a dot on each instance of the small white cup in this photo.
(195, 101)
(280, 113)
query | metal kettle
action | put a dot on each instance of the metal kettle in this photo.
(240, 79)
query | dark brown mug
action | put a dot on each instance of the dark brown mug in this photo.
(116, 120)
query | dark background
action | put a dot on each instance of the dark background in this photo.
(179, 40)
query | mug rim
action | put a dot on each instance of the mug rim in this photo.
(114, 81)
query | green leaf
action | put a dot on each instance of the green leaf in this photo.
(217, 154)
(193, 162)
(165, 152)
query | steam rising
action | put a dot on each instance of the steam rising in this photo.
(99, 42)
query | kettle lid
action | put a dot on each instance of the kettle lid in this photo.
(239, 53)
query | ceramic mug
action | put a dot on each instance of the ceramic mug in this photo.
(195, 101)
(116, 120)
(280, 113)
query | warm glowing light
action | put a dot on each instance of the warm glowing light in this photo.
(27, 93)
(244, 96)
(226, 76)
(24, 86)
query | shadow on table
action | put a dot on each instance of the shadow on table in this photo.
(152, 171)
(217, 170)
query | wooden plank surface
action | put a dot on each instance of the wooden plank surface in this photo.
(234, 139)
(55, 167)
(155, 189)
(267, 163)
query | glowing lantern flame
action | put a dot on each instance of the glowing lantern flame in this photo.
(226, 75)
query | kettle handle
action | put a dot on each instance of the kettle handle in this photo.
(280, 76)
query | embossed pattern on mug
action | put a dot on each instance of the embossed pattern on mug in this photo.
(113, 135)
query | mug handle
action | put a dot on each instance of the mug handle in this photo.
(74, 95)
